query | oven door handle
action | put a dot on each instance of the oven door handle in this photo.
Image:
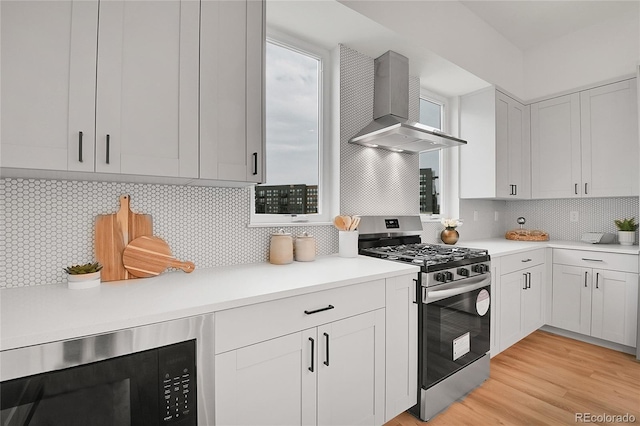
(469, 285)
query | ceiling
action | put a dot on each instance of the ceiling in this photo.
(526, 24)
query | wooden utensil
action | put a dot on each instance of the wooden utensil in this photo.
(355, 223)
(347, 222)
(338, 222)
(113, 233)
(148, 256)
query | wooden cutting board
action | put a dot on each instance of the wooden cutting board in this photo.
(149, 256)
(113, 233)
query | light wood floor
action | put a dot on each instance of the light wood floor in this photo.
(546, 379)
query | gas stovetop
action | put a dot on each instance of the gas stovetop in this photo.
(431, 257)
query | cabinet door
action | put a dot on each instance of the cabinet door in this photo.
(555, 148)
(609, 130)
(147, 88)
(532, 312)
(48, 84)
(401, 345)
(571, 297)
(513, 166)
(615, 306)
(231, 90)
(511, 288)
(268, 383)
(351, 371)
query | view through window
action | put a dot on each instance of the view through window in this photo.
(430, 173)
(293, 105)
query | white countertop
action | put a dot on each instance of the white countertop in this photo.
(500, 246)
(41, 314)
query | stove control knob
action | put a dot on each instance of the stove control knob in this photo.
(480, 268)
(463, 272)
(440, 277)
(448, 276)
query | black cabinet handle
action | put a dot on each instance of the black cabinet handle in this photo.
(525, 281)
(515, 189)
(585, 278)
(108, 146)
(585, 189)
(80, 146)
(312, 351)
(255, 163)
(319, 310)
(526, 260)
(576, 189)
(597, 279)
(415, 299)
(326, 336)
(529, 274)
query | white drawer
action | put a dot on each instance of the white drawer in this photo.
(518, 261)
(238, 327)
(596, 259)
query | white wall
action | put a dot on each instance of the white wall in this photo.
(603, 51)
(453, 32)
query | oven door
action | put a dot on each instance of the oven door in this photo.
(455, 327)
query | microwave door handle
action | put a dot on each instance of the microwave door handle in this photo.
(435, 295)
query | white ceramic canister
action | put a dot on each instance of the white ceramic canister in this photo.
(305, 248)
(281, 248)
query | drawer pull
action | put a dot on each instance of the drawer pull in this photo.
(312, 351)
(525, 281)
(526, 260)
(592, 260)
(326, 362)
(585, 278)
(319, 310)
(529, 281)
(597, 279)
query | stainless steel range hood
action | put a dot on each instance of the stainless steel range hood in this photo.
(390, 128)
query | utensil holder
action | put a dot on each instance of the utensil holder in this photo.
(348, 243)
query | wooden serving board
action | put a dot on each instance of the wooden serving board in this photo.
(149, 256)
(113, 233)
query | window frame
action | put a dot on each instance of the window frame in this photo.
(446, 158)
(327, 175)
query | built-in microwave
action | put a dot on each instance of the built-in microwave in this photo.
(147, 375)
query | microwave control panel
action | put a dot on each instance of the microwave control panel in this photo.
(177, 372)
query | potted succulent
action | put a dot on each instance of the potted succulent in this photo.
(626, 231)
(83, 276)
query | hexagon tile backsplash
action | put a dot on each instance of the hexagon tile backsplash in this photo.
(49, 224)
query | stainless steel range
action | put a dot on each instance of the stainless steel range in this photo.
(454, 315)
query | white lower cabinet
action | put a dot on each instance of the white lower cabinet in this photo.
(329, 375)
(596, 302)
(323, 358)
(521, 296)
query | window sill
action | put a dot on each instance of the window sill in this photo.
(287, 224)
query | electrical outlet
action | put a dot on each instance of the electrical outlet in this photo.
(496, 216)
(574, 216)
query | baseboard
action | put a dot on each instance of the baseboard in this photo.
(588, 339)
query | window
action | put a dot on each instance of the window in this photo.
(295, 107)
(431, 114)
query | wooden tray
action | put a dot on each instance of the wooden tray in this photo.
(526, 235)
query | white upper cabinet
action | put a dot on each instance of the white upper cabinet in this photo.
(48, 84)
(495, 163)
(147, 88)
(120, 87)
(586, 144)
(232, 48)
(609, 131)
